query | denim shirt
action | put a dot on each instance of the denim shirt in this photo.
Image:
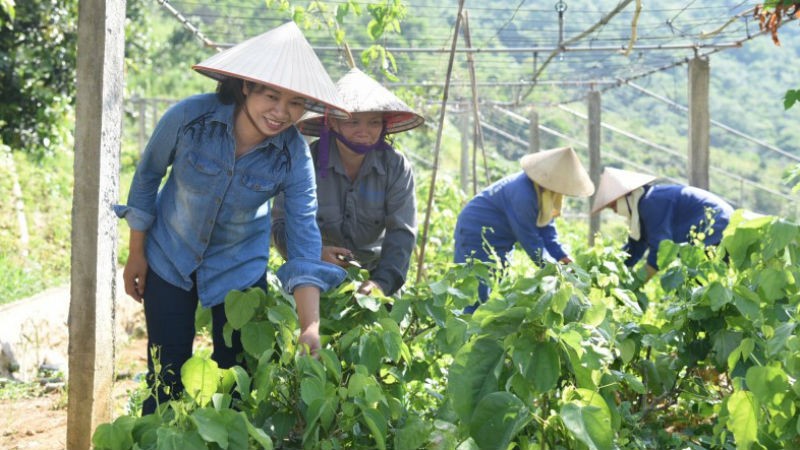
(507, 211)
(212, 216)
(373, 215)
(670, 212)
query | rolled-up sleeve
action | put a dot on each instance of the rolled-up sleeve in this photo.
(401, 231)
(158, 155)
(310, 272)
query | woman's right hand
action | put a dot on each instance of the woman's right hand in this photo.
(329, 255)
(135, 273)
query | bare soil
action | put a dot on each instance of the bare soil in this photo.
(40, 423)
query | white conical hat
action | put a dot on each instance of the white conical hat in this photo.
(283, 58)
(614, 183)
(361, 93)
(558, 170)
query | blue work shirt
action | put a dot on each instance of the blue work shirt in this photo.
(507, 211)
(212, 216)
(669, 212)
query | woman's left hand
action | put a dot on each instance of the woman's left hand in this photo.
(368, 287)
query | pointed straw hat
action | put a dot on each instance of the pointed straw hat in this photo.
(558, 170)
(282, 58)
(614, 183)
(361, 93)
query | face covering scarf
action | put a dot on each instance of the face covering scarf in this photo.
(325, 146)
(628, 207)
(549, 205)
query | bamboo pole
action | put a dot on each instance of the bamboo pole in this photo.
(421, 258)
(476, 123)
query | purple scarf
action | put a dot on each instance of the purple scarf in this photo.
(324, 147)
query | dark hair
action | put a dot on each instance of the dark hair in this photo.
(229, 90)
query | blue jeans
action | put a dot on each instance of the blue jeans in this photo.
(170, 312)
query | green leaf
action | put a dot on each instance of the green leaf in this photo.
(498, 417)
(311, 389)
(413, 434)
(772, 283)
(589, 425)
(370, 352)
(769, 384)
(545, 367)
(667, 252)
(240, 306)
(718, 295)
(781, 233)
(474, 374)
(175, 439)
(116, 435)
(200, 377)
(376, 423)
(258, 337)
(743, 418)
(393, 341)
(236, 428)
(210, 425)
(242, 380)
(258, 434)
(283, 316)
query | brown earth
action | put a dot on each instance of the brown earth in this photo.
(40, 423)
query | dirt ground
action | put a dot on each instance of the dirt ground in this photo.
(41, 423)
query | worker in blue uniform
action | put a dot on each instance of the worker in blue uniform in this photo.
(656, 212)
(521, 208)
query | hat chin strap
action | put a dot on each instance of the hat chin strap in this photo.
(324, 146)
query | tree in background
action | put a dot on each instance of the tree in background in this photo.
(770, 15)
(37, 73)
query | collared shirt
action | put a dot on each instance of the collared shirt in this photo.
(212, 215)
(501, 215)
(374, 216)
(670, 212)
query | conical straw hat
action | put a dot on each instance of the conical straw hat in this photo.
(558, 170)
(361, 93)
(614, 183)
(283, 58)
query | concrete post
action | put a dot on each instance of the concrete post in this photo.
(533, 128)
(699, 123)
(98, 132)
(595, 165)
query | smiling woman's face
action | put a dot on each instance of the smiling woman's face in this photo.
(271, 110)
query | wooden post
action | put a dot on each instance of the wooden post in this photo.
(465, 132)
(534, 140)
(699, 123)
(593, 103)
(434, 170)
(98, 132)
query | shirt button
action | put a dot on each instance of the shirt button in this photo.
(210, 222)
(347, 215)
(230, 172)
(218, 200)
(198, 259)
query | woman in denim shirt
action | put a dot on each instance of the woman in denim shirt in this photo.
(206, 231)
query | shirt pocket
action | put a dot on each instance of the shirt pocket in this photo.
(254, 191)
(371, 224)
(197, 173)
